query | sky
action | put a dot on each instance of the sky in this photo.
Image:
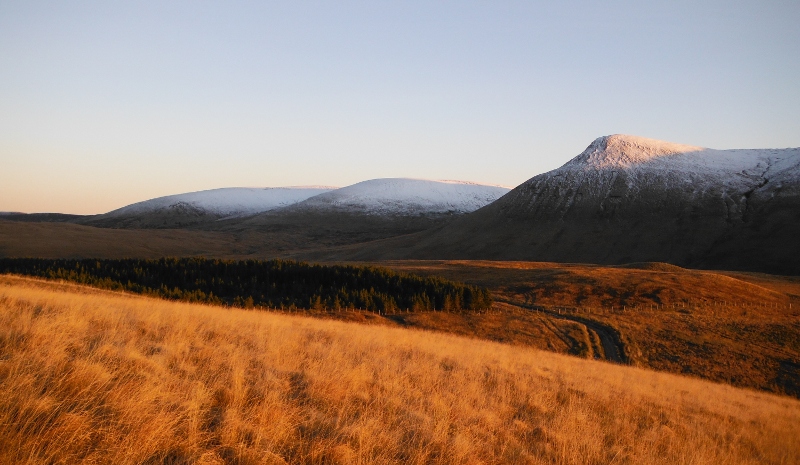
(103, 104)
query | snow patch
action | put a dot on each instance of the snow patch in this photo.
(649, 160)
(407, 196)
(620, 150)
(227, 202)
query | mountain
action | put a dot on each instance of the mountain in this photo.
(199, 207)
(405, 197)
(278, 220)
(363, 212)
(377, 197)
(631, 199)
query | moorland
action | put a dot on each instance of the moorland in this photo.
(95, 376)
(737, 327)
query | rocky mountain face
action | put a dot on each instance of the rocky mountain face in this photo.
(631, 199)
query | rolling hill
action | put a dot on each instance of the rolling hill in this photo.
(364, 212)
(91, 376)
(405, 197)
(194, 208)
(265, 222)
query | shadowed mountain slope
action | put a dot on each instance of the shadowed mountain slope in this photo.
(630, 199)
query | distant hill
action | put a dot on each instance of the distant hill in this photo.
(363, 212)
(405, 197)
(192, 208)
(420, 203)
(41, 217)
(272, 221)
(631, 199)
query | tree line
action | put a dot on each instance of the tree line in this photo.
(282, 284)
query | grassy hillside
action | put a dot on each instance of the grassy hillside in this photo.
(63, 240)
(260, 236)
(91, 376)
(733, 327)
(739, 328)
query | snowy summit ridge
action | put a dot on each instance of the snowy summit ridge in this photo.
(643, 162)
(641, 176)
(225, 202)
(620, 150)
(406, 196)
(391, 196)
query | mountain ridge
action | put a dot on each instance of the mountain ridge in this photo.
(623, 199)
(653, 202)
(406, 196)
(623, 149)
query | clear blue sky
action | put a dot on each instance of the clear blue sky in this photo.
(107, 103)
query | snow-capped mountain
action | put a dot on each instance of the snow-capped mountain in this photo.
(623, 171)
(404, 196)
(630, 199)
(675, 164)
(226, 202)
(284, 208)
(203, 207)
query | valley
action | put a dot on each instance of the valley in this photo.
(737, 328)
(642, 252)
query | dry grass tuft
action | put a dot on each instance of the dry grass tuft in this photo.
(95, 377)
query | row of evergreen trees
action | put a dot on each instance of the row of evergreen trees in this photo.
(266, 283)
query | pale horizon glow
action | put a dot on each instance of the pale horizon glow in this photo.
(105, 104)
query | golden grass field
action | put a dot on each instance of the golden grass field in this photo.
(734, 327)
(89, 376)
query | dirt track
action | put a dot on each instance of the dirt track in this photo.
(604, 340)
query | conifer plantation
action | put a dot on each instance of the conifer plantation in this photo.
(262, 283)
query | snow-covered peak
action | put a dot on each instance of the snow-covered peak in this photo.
(226, 202)
(620, 150)
(407, 196)
(638, 155)
(642, 162)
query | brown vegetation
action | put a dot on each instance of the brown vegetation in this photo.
(739, 328)
(725, 326)
(262, 237)
(733, 327)
(89, 376)
(61, 240)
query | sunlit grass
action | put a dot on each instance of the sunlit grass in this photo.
(89, 376)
